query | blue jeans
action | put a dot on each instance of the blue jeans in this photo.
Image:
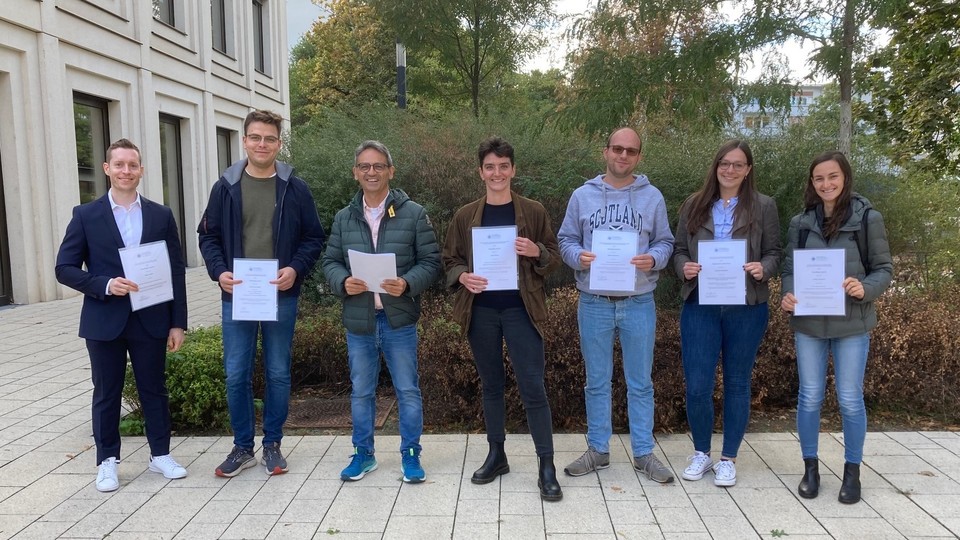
(634, 320)
(239, 354)
(399, 348)
(849, 364)
(707, 334)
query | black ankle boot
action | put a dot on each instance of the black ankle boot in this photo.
(850, 487)
(810, 484)
(493, 466)
(549, 487)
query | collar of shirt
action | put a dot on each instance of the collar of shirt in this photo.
(723, 218)
(114, 205)
(374, 211)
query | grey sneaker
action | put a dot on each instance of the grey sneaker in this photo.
(653, 468)
(273, 460)
(238, 460)
(590, 461)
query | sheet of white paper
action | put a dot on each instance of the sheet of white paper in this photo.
(611, 270)
(495, 258)
(372, 268)
(722, 280)
(818, 281)
(148, 265)
(256, 298)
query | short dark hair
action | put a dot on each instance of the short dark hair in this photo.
(497, 146)
(122, 143)
(267, 117)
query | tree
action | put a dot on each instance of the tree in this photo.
(478, 39)
(915, 86)
(841, 29)
(347, 57)
(680, 53)
(659, 62)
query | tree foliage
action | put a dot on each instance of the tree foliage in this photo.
(347, 57)
(479, 40)
(841, 29)
(662, 63)
(915, 85)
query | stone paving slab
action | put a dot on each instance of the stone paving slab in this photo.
(911, 479)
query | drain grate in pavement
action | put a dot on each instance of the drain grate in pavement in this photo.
(330, 412)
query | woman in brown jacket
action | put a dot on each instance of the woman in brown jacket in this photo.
(489, 317)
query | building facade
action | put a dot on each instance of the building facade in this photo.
(177, 77)
(749, 117)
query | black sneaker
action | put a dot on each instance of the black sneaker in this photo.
(238, 460)
(273, 459)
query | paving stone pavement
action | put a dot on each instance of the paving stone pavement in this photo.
(911, 480)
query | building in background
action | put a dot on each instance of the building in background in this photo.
(177, 77)
(748, 117)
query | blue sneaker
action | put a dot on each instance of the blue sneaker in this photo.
(361, 463)
(410, 467)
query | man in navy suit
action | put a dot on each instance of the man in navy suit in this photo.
(89, 261)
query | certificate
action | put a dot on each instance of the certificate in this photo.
(495, 257)
(148, 265)
(372, 268)
(611, 270)
(722, 280)
(818, 281)
(256, 298)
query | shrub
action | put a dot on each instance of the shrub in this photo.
(914, 366)
(913, 347)
(195, 383)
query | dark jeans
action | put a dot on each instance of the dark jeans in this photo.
(488, 330)
(707, 334)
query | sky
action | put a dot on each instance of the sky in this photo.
(302, 13)
(300, 17)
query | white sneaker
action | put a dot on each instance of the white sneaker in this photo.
(107, 475)
(167, 466)
(724, 473)
(699, 464)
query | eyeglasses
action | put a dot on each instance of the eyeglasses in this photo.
(632, 152)
(738, 166)
(365, 167)
(256, 139)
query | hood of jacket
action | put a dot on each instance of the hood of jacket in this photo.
(234, 172)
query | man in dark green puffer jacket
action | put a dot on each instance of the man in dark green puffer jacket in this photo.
(382, 220)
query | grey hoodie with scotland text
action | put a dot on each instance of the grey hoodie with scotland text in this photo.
(637, 206)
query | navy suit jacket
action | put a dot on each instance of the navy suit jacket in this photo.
(93, 240)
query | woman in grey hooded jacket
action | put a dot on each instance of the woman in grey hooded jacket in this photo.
(836, 218)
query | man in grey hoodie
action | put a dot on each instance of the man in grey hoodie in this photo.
(618, 200)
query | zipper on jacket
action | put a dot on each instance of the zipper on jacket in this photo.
(276, 242)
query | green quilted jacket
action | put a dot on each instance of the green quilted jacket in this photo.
(404, 230)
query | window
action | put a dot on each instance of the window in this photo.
(92, 135)
(260, 33)
(163, 11)
(756, 122)
(224, 157)
(171, 159)
(218, 9)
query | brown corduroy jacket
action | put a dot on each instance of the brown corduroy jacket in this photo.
(532, 222)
